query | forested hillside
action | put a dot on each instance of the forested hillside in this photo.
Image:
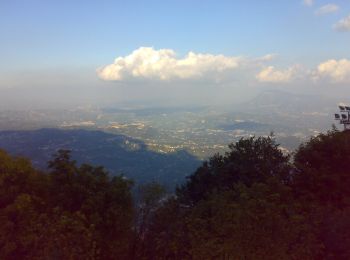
(117, 153)
(254, 202)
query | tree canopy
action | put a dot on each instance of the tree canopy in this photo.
(69, 213)
(253, 202)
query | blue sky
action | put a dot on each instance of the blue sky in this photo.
(42, 36)
(39, 33)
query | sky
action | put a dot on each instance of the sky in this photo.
(67, 53)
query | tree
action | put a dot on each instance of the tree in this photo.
(105, 202)
(149, 197)
(322, 169)
(321, 184)
(73, 212)
(251, 203)
(23, 194)
(236, 206)
(167, 235)
(249, 160)
(261, 221)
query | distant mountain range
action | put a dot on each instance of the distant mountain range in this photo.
(117, 153)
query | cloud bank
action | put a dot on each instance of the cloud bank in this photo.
(336, 71)
(163, 64)
(270, 74)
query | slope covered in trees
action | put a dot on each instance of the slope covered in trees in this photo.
(117, 153)
(254, 202)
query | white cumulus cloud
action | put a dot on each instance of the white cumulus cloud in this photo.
(163, 64)
(343, 25)
(326, 9)
(337, 71)
(272, 75)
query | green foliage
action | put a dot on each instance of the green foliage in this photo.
(257, 222)
(322, 169)
(69, 213)
(251, 203)
(150, 196)
(321, 184)
(236, 206)
(248, 161)
(167, 235)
